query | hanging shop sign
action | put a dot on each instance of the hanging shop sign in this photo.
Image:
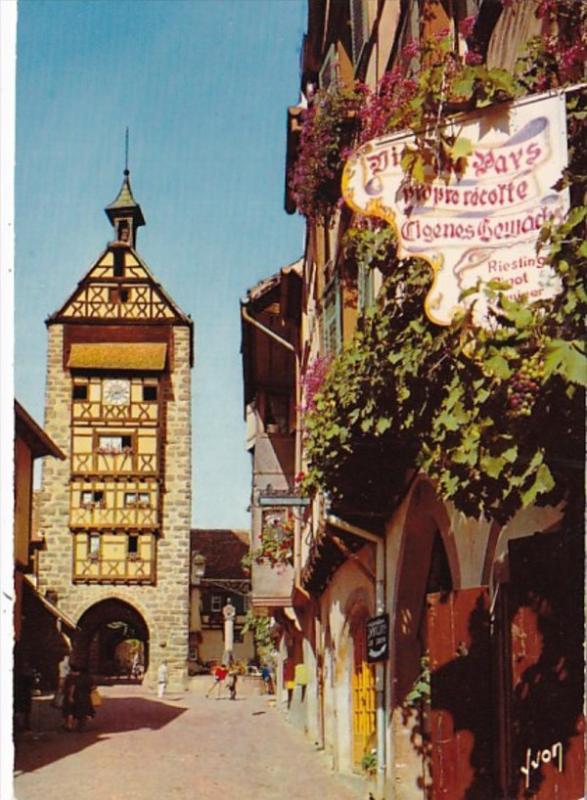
(378, 638)
(484, 225)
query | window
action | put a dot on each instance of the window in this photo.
(277, 412)
(359, 29)
(329, 70)
(366, 289)
(94, 546)
(149, 394)
(133, 545)
(134, 499)
(331, 322)
(123, 230)
(114, 444)
(80, 391)
(117, 295)
(90, 498)
(216, 603)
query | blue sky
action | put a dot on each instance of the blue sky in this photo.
(203, 86)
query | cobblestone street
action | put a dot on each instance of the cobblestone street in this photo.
(185, 746)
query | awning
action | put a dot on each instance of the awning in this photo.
(50, 607)
(118, 355)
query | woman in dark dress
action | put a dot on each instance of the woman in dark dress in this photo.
(77, 702)
(68, 706)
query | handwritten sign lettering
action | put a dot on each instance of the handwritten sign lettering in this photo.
(553, 753)
(484, 225)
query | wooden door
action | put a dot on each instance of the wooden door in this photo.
(460, 718)
(545, 719)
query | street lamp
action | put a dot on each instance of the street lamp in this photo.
(198, 568)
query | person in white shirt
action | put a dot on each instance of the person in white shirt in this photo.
(162, 675)
(63, 671)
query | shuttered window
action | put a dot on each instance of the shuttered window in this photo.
(365, 288)
(359, 28)
(331, 319)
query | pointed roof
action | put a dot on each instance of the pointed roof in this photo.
(125, 202)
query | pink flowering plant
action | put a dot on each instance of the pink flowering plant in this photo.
(430, 81)
(328, 128)
(312, 380)
(557, 57)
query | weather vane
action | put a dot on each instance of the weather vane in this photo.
(126, 152)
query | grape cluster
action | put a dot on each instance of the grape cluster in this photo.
(525, 384)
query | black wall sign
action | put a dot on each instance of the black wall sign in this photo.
(378, 638)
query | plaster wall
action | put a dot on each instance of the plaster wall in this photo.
(212, 646)
(348, 590)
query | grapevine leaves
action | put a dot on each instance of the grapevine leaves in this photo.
(491, 415)
(566, 359)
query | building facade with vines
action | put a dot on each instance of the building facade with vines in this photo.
(440, 459)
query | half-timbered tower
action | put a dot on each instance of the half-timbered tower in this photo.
(116, 513)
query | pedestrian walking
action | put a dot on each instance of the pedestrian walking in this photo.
(267, 680)
(219, 672)
(162, 677)
(77, 701)
(135, 667)
(63, 671)
(231, 683)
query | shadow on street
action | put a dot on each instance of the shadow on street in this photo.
(47, 743)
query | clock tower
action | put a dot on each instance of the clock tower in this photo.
(116, 513)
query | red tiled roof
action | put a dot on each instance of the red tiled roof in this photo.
(223, 550)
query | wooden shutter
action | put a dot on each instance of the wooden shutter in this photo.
(546, 613)
(460, 719)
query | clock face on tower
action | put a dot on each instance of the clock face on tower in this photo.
(116, 392)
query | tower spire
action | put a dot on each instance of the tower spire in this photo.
(124, 212)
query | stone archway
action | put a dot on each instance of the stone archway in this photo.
(427, 563)
(110, 632)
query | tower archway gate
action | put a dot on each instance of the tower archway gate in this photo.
(113, 641)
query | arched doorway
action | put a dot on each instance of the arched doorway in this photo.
(424, 568)
(113, 641)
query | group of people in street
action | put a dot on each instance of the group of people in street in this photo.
(77, 696)
(219, 674)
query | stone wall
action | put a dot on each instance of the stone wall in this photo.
(165, 605)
